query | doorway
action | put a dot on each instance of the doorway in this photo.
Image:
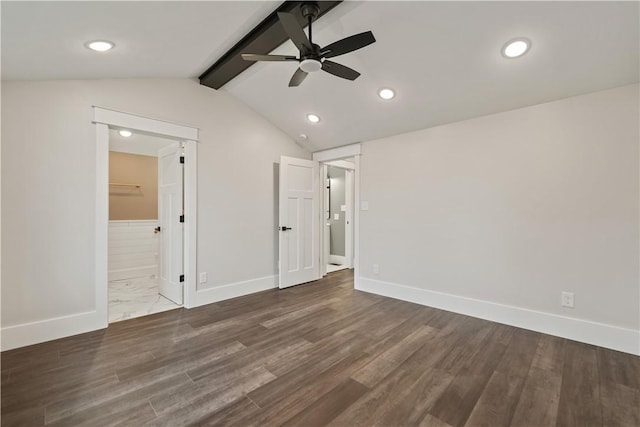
(145, 236)
(337, 206)
(185, 153)
(303, 252)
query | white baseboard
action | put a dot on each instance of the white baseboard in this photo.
(51, 329)
(337, 259)
(233, 290)
(129, 273)
(600, 334)
(61, 327)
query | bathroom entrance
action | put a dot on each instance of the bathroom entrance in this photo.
(338, 204)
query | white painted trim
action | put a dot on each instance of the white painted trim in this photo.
(190, 222)
(600, 334)
(356, 231)
(324, 212)
(119, 119)
(350, 151)
(103, 118)
(233, 290)
(338, 259)
(348, 227)
(50, 329)
(102, 225)
(337, 153)
(342, 164)
(120, 221)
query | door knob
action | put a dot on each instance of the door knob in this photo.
(156, 230)
(285, 228)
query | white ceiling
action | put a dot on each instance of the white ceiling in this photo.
(442, 58)
(45, 40)
(146, 145)
(444, 61)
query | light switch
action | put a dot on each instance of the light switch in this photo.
(364, 206)
(336, 216)
(343, 208)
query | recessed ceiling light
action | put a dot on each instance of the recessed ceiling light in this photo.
(386, 93)
(303, 137)
(313, 118)
(100, 45)
(516, 47)
(125, 133)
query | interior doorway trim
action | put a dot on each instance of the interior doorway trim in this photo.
(104, 118)
(340, 153)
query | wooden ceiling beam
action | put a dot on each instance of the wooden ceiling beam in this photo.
(264, 38)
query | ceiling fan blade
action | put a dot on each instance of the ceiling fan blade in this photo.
(256, 57)
(340, 70)
(297, 78)
(295, 31)
(348, 44)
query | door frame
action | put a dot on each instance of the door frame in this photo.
(334, 154)
(104, 118)
(349, 181)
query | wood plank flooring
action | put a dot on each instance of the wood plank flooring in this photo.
(317, 354)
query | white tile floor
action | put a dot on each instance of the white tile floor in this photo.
(137, 297)
(334, 267)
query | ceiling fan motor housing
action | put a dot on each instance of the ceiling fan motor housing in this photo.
(310, 9)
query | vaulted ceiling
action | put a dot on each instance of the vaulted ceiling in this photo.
(45, 39)
(443, 59)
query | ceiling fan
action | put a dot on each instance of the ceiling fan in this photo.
(313, 57)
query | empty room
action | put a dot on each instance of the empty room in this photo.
(310, 213)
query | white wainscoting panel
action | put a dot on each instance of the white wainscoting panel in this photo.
(133, 249)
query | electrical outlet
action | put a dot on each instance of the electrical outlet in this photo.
(376, 269)
(567, 299)
(203, 277)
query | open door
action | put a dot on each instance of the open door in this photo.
(170, 216)
(299, 221)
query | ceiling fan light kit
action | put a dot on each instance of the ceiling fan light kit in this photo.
(310, 65)
(312, 57)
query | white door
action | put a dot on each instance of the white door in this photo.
(299, 221)
(170, 210)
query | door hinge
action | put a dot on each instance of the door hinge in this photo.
(182, 159)
(181, 218)
(181, 278)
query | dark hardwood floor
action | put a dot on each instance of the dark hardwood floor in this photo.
(318, 354)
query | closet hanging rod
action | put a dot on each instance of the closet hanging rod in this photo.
(125, 185)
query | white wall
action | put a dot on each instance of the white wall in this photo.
(510, 210)
(48, 187)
